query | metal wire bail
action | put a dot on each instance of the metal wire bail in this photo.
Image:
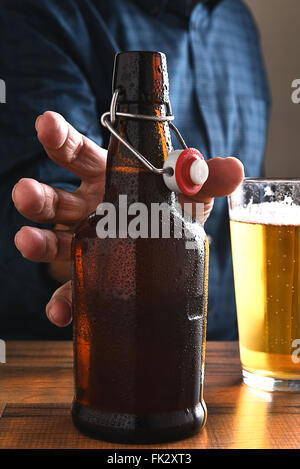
(108, 120)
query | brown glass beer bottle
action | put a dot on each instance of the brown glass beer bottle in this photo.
(139, 296)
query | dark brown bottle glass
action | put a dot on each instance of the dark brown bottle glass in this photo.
(139, 303)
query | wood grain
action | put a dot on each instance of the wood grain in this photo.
(36, 390)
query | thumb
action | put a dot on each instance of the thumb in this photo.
(225, 175)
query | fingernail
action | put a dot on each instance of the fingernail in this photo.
(37, 122)
(13, 193)
(57, 316)
(51, 315)
(16, 239)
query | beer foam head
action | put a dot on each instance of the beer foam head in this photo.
(268, 213)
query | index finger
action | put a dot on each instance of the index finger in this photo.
(69, 148)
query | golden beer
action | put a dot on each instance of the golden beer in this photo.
(266, 268)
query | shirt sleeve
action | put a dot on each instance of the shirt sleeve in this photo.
(44, 64)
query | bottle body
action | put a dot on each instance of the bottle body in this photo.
(139, 337)
(139, 305)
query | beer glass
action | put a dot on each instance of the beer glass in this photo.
(265, 239)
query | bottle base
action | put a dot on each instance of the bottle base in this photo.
(131, 429)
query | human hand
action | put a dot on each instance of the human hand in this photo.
(44, 204)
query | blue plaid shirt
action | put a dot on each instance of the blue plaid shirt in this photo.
(58, 55)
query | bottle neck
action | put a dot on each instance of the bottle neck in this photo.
(126, 175)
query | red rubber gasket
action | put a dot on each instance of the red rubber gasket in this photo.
(182, 171)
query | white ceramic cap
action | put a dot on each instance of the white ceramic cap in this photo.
(199, 172)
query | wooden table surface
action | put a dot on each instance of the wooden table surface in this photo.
(36, 389)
